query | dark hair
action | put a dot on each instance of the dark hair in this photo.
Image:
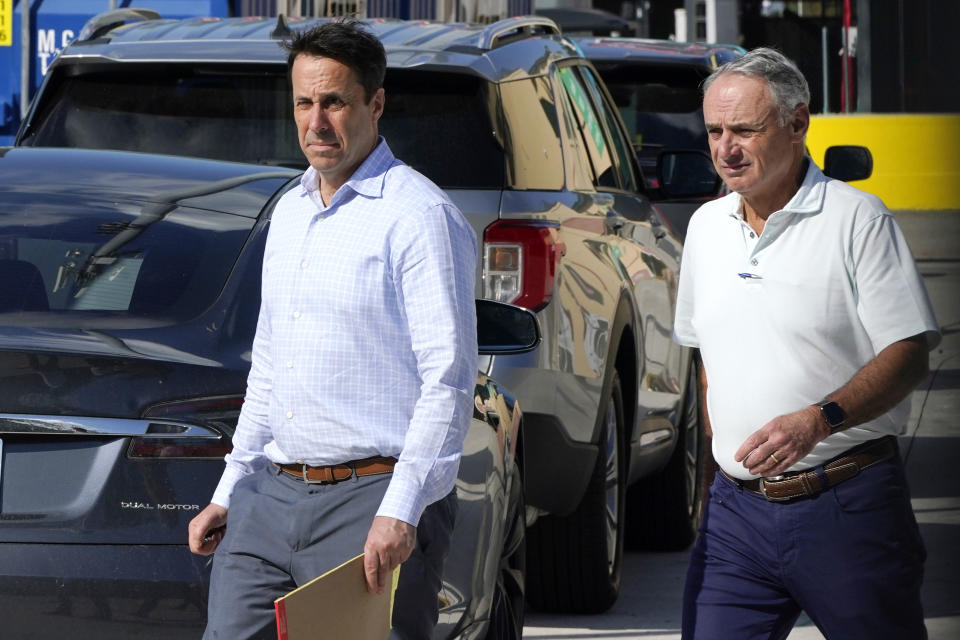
(346, 41)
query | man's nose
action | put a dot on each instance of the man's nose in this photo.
(727, 145)
(318, 118)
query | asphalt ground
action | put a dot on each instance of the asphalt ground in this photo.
(652, 585)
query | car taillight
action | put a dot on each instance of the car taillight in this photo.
(520, 261)
(220, 414)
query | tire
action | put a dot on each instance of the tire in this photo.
(575, 560)
(506, 612)
(664, 510)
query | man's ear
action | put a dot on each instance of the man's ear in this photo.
(800, 122)
(378, 100)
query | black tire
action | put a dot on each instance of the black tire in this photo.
(663, 511)
(506, 612)
(574, 561)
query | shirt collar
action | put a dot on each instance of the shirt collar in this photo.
(808, 198)
(367, 180)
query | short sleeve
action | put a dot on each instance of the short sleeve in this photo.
(683, 330)
(892, 301)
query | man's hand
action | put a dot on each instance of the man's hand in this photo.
(206, 529)
(782, 442)
(389, 543)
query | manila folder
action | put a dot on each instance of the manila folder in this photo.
(336, 605)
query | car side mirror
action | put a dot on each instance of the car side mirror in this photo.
(848, 162)
(505, 328)
(687, 174)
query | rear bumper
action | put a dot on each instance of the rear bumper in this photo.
(102, 591)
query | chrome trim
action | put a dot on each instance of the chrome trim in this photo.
(653, 437)
(528, 25)
(16, 424)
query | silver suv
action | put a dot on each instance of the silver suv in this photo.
(516, 125)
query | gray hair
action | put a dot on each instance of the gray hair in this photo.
(787, 84)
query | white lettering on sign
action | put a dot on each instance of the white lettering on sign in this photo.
(47, 48)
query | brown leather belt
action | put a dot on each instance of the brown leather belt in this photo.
(812, 482)
(338, 472)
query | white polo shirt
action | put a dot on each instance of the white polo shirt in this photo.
(787, 317)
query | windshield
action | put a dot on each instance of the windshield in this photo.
(225, 112)
(103, 262)
(213, 113)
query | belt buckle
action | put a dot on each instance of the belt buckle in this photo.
(763, 488)
(303, 472)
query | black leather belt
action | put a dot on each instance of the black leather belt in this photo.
(812, 482)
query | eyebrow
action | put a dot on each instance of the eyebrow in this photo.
(741, 124)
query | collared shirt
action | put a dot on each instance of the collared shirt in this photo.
(366, 340)
(788, 316)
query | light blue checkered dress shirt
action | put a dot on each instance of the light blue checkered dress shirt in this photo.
(366, 341)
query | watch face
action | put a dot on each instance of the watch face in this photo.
(833, 413)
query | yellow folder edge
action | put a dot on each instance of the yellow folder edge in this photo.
(394, 580)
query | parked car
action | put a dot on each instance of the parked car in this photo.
(518, 128)
(656, 86)
(587, 21)
(129, 290)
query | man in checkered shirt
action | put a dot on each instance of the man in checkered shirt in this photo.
(360, 391)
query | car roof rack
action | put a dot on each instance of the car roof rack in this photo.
(106, 22)
(503, 32)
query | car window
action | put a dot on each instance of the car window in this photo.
(659, 105)
(212, 112)
(106, 261)
(533, 134)
(620, 152)
(441, 125)
(589, 128)
(223, 112)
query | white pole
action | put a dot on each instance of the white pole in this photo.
(711, 15)
(680, 25)
(826, 69)
(24, 58)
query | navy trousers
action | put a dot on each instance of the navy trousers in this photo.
(283, 532)
(850, 557)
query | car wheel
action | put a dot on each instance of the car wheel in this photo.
(575, 560)
(506, 612)
(664, 510)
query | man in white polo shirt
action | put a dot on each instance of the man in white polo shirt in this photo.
(813, 327)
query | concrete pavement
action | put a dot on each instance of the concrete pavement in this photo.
(650, 601)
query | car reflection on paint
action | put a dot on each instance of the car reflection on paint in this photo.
(129, 291)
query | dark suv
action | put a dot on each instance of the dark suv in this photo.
(656, 86)
(517, 126)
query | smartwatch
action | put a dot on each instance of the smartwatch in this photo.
(833, 415)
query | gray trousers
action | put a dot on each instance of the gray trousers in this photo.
(283, 532)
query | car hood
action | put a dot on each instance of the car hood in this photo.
(228, 187)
